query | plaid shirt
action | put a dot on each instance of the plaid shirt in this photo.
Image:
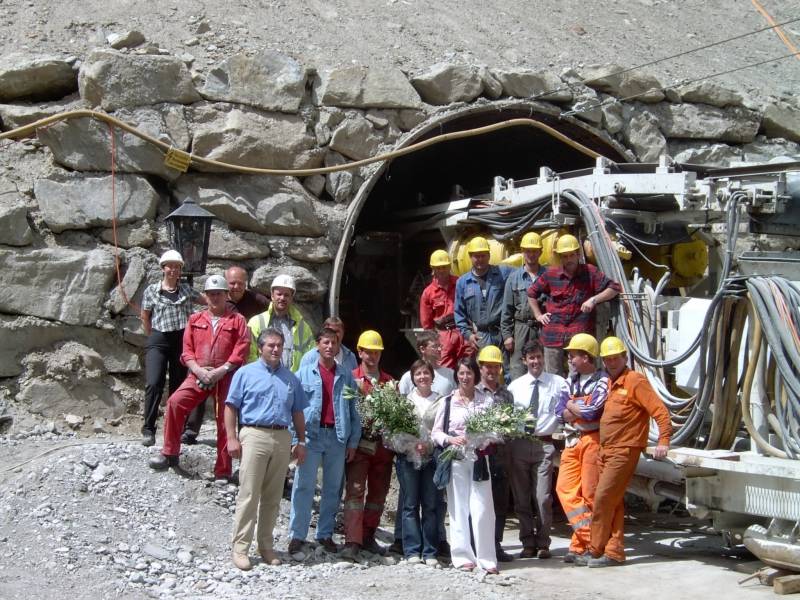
(166, 315)
(565, 296)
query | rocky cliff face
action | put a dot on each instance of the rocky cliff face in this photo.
(59, 290)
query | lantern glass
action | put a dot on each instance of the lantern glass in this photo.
(189, 231)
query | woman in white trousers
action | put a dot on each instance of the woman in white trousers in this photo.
(465, 497)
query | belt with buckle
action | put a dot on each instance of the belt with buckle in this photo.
(327, 425)
(267, 426)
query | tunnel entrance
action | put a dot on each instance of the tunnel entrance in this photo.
(382, 264)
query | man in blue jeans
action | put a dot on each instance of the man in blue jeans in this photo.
(333, 428)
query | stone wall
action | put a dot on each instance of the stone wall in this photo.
(71, 342)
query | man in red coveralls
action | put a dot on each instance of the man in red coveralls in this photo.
(368, 475)
(573, 291)
(215, 343)
(436, 309)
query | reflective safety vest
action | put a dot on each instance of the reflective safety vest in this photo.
(302, 337)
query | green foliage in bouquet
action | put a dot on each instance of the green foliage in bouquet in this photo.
(504, 420)
(385, 411)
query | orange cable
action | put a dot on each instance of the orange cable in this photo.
(778, 30)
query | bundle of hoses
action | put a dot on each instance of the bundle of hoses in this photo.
(712, 417)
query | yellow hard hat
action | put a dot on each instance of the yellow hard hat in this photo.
(531, 241)
(612, 346)
(477, 244)
(440, 258)
(567, 243)
(490, 354)
(585, 342)
(370, 340)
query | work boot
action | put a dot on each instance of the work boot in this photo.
(241, 561)
(569, 557)
(295, 546)
(148, 438)
(350, 551)
(328, 545)
(162, 462)
(582, 560)
(189, 438)
(269, 557)
(370, 545)
(528, 552)
(603, 561)
(502, 555)
(395, 548)
(543, 553)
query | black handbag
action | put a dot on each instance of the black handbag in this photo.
(444, 468)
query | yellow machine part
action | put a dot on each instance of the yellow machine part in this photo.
(687, 261)
(500, 252)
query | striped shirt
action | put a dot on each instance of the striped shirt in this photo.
(166, 314)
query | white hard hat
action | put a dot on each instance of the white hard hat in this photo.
(170, 256)
(286, 281)
(216, 282)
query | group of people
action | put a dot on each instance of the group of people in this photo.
(492, 335)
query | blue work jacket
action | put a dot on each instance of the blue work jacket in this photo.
(473, 310)
(346, 417)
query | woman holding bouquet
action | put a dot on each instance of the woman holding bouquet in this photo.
(420, 535)
(469, 493)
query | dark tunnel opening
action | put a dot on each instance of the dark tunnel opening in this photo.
(386, 265)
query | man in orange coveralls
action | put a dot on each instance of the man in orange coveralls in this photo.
(623, 435)
(436, 309)
(581, 412)
(216, 342)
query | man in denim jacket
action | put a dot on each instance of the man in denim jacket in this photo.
(333, 429)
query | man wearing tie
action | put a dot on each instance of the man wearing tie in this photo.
(532, 456)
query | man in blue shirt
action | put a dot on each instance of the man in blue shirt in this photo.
(479, 298)
(264, 399)
(333, 429)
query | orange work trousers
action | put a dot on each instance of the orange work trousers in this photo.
(617, 466)
(577, 480)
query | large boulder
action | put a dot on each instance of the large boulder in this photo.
(312, 250)
(365, 87)
(356, 138)
(56, 283)
(35, 78)
(643, 136)
(268, 80)
(708, 92)
(115, 80)
(257, 203)
(525, 83)
(700, 153)
(135, 271)
(85, 144)
(229, 244)
(311, 287)
(23, 335)
(782, 120)
(764, 150)
(341, 185)
(70, 378)
(14, 228)
(276, 141)
(129, 236)
(700, 121)
(445, 83)
(636, 85)
(83, 201)
(21, 114)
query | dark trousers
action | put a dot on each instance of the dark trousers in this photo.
(419, 510)
(501, 490)
(162, 355)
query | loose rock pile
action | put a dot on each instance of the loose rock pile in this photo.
(95, 519)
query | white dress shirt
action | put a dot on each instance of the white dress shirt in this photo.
(551, 387)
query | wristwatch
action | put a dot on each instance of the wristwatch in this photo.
(301, 443)
(227, 367)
